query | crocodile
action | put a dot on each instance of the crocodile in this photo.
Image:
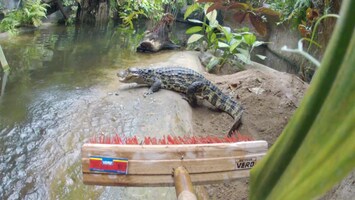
(187, 81)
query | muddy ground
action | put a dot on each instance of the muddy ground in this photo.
(269, 98)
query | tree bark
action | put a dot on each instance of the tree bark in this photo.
(61, 8)
(93, 12)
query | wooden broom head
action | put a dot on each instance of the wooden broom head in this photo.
(119, 161)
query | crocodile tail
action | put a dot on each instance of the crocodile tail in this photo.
(224, 102)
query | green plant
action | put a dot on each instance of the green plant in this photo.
(311, 41)
(129, 10)
(242, 11)
(11, 22)
(315, 150)
(33, 12)
(302, 14)
(221, 39)
(30, 14)
(73, 7)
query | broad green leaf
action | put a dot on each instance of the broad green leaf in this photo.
(193, 38)
(258, 43)
(241, 30)
(234, 45)
(213, 63)
(213, 37)
(194, 29)
(244, 52)
(227, 33)
(223, 45)
(237, 36)
(212, 18)
(249, 38)
(243, 58)
(195, 21)
(190, 10)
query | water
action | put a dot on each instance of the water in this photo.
(52, 102)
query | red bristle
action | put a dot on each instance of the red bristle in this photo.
(129, 140)
(179, 140)
(204, 140)
(228, 139)
(100, 139)
(176, 140)
(187, 140)
(209, 139)
(146, 140)
(118, 139)
(135, 140)
(163, 141)
(170, 140)
(193, 140)
(153, 140)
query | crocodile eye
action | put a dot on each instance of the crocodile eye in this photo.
(133, 70)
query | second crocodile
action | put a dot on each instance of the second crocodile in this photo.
(185, 81)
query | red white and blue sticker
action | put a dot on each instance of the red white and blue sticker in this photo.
(108, 165)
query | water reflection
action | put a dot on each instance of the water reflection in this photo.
(50, 106)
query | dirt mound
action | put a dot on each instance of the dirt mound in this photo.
(269, 98)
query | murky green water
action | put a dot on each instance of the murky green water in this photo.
(52, 103)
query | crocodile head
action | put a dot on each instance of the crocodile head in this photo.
(131, 75)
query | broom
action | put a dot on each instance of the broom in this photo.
(170, 161)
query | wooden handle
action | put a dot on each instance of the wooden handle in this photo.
(183, 184)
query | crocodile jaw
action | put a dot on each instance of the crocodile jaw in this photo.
(127, 76)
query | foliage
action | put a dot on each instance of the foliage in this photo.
(257, 16)
(11, 22)
(311, 41)
(301, 13)
(74, 8)
(300, 50)
(316, 150)
(31, 14)
(239, 43)
(294, 10)
(128, 10)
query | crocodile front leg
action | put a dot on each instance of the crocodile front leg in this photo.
(193, 89)
(154, 87)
